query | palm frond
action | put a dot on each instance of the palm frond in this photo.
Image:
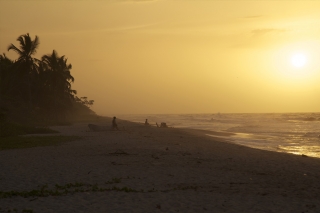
(35, 45)
(14, 48)
(21, 41)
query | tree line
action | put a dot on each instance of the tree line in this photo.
(43, 86)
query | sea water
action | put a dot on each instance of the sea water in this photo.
(296, 133)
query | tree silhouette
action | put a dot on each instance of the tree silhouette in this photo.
(6, 77)
(57, 77)
(26, 65)
(39, 86)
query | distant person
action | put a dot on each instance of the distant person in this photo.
(146, 123)
(162, 125)
(114, 124)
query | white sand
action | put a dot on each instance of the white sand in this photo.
(178, 171)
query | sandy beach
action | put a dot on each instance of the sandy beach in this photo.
(149, 169)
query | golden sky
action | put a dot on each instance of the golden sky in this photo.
(179, 56)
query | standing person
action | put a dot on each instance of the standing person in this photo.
(114, 124)
(146, 123)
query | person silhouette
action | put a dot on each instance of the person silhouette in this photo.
(162, 125)
(114, 124)
(146, 123)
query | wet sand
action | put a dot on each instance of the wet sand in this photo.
(149, 169)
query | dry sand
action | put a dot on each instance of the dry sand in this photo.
(164, 170)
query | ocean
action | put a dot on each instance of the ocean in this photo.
(296, 133)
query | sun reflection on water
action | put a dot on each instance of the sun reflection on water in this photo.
(312, 151)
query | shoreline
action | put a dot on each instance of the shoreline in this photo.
(167, 169)
(292, 133)
(228, 137)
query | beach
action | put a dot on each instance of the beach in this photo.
(149, 169)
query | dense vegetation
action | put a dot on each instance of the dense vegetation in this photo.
(36, 91)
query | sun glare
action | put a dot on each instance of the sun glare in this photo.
(298, 60)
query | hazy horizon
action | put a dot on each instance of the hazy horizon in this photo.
(176, 57)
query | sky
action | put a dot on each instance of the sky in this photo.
(179, 56)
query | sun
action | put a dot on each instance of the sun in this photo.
(298, 60)
(296, 63)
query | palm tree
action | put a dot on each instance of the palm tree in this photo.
(58, 79)
(28, 47)
(26, 64)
